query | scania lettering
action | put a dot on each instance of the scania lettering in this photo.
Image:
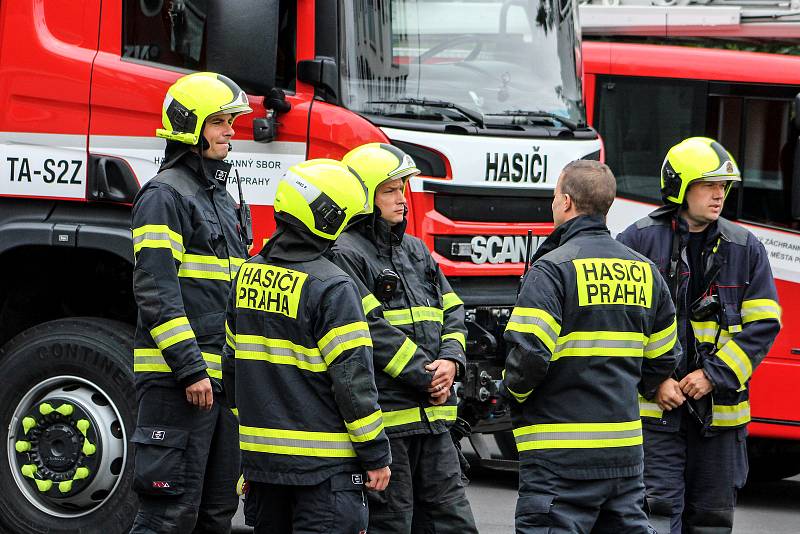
(469, 88)
(501, 249)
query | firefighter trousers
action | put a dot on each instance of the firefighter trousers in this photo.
(692, 479)
(425, 489)
(186, 464)
(336, 506)
(550, 504)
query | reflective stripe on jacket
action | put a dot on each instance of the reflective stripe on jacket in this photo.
(298, 368)
(736, 341)
(593, 327)
(187, 249)
(423, 321)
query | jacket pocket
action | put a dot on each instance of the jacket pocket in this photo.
(160, 464)
(533, 510)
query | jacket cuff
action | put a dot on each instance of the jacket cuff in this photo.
(193, 378)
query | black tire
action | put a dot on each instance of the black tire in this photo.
(506, 444)
(99, 353)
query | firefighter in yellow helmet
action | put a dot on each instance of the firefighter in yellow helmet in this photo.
(298, 366)
(418, 332)
(188, 243)
(728, 317)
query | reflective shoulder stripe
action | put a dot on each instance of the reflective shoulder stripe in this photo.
(369, 303)
(158, 236)
(458, 336)
(205, 266)
(342, 338)
(279, 352)
(600, 343)
(296, 442)
(213, 364)
(726, 416)
(149, 361)
(649, 409)
(759, 310)
(400, 358)
(661, 342)
(173, 331)
(449, 300)
(444, 413)
(578, 435)
(401, 417)
(537, 322)
(230, 339)
(365, 429)
(734, 357)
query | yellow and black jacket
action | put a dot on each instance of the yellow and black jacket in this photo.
(298, 368)
(422, 321)
(594, 327)
(731, 345)
(187, 249)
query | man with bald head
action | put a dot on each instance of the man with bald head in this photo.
(593, 328)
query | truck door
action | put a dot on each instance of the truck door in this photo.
(46, 54)
(145, 46)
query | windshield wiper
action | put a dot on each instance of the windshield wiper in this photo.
(476, 117)
(570, 124)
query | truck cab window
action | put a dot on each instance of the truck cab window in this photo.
(639, 120)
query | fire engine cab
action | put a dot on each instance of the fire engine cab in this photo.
(485, 95)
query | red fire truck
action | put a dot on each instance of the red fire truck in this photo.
(644, 98)
(489, 104)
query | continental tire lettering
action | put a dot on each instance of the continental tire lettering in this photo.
(613, 281)
(269, 289)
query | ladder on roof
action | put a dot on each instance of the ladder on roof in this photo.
(692, 18)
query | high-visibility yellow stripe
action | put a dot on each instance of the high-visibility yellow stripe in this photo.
(280, 352)
(726, 416)
(235, 265)
(537, 322)
(235, 412)
(158, 236)
(149, 361)
(365, 429)
(458, 336)
(760, 310)
(400, 358)
(450, 300)
(230, 338)
(649, 409)
(443, 413)
(296, 442)
(520, 397)
(213, 364)
(417, 314)
(600, 343)
(738, 361)
(342, 338)
(205, 266)
(401, 417)
(706, 332)
(578, 435)
(661, 342)
(369, 303)
(171, 332)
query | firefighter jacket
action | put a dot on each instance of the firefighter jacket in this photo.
(187, 248)
(593, 324)
(730, 345)
(298, 368)
(421, 321)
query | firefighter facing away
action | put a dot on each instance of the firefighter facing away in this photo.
(298, 366)
(593, 327)
(187, 245)
(728, 317)
(418, 332)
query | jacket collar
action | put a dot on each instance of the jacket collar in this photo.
(668, 215)
(291, 243)
(582, 224)
(378, 231)
(211, 173)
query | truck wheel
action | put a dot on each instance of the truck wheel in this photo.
(506, 444)
(67, 410)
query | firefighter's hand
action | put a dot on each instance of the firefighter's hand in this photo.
(200, 394)
(378, 479)
(444, 372)
(696, 384)
(669, 395)
(440, 398)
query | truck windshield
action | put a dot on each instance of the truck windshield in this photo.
(501, 58)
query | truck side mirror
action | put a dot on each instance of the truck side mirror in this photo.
(322, 73)
(242, 42)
